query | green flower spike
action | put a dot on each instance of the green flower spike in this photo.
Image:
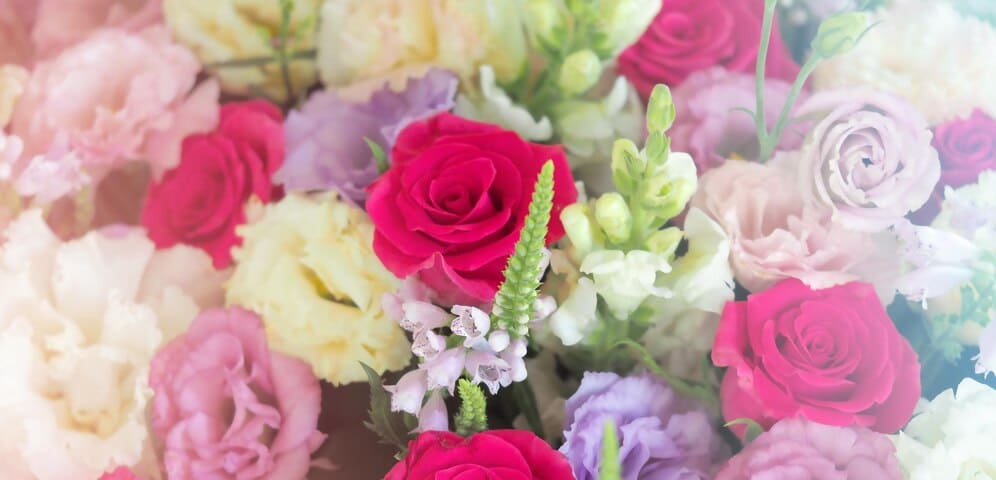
(517, 294)
(472, 417)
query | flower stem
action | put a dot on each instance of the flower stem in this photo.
(769, 142)
(762, 58)
(260, 61)
(286, 8)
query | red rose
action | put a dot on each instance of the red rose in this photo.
(200, 202)
(451, 206)
(832, 356)
(692, 35)
(494, 454)
(967, 147)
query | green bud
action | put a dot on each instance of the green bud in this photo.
(619, 23)
(579, 226)
(666, 197)
(628, 165)
(580, 71)
(613, 215)
(544, 20)
(472, 417)
(664, 242)
(840, 33)
(660, 109)
(657, 150)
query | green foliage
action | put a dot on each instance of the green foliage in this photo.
(660, 109)
(700, 391)
(610, 468)
(517, 293)
(753, 428)
(378, 154)
(391, 427)
(472, 417)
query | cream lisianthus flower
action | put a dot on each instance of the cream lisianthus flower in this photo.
(389, 39)
(12, 80)
(952, 437)
(226, 30)
(79, 324)
(307, 267)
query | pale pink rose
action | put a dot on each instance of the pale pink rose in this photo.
(227, 407)
(775, 234)
(116, 97)
(16, 17)
(62, 23)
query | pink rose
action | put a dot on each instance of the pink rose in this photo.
(832, 356)
(967, 147)
(16, 17)
(114, 98)
(63, 23)
(711, 124)
(692, 35)
(776, 234)
(225, 406)
(797, 449)
(202, 200)
(120, 473)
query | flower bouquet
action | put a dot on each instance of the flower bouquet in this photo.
(496, 239)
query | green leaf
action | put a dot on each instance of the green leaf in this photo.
(660, 109)
(517, 293)
(610, 468)
(379, 155)
(472, 417)
(753, 428)
(389, 426)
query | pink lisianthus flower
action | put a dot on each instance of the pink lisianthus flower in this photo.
(798, 449)
(226, 406)
(116, 97)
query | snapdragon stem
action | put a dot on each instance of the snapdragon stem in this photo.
(769, 142)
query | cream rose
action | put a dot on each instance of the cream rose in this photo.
(308, 268)
(79, 324)
(226, 30)
(392, 39)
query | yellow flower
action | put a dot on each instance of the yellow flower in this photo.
(228, 30)
(307, 267)
(388, 39)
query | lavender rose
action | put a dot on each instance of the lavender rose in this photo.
(325, 137)
(711, 124)
(869, 157)
(798, 449)
(661, 436)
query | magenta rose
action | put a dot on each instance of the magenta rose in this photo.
(451, 207)
(832, 356)
(967, 147)
(692, 35)
(202, 201)
(226, 406)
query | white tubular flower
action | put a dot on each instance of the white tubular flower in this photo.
(625, 280)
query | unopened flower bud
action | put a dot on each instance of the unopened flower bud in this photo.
(613, 215)
(628, 165)
(664, 242)
(579, 227)
(660, 109)
(544, 20)
(840, 33)
(580, 71)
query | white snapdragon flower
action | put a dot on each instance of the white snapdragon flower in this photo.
(494, 106)
(626, 279)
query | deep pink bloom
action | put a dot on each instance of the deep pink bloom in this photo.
(692, 35)
(225, 406)
(202, 200)
(832, 356)
(120, 473)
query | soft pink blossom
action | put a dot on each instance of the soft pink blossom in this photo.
(798, 449)
(714, 119)
(227, 407)
(775, 233)
(120, 473)
(62, 23)
(16, 17)
(116, 97)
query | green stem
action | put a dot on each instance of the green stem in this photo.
(260, 61)
(762, 58)
(286, 8)
(769, 143)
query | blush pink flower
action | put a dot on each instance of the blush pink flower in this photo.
(227, 407)
(16, 17)
(775, 234)
(832, 356)
(114, 98)
(798, 449)
(62, 23)
(712, 124)
(120, 473)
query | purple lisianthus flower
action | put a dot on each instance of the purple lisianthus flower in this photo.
(325, 137)
(661, 436)
(799, 449)
(869, 157)
(714, 122)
